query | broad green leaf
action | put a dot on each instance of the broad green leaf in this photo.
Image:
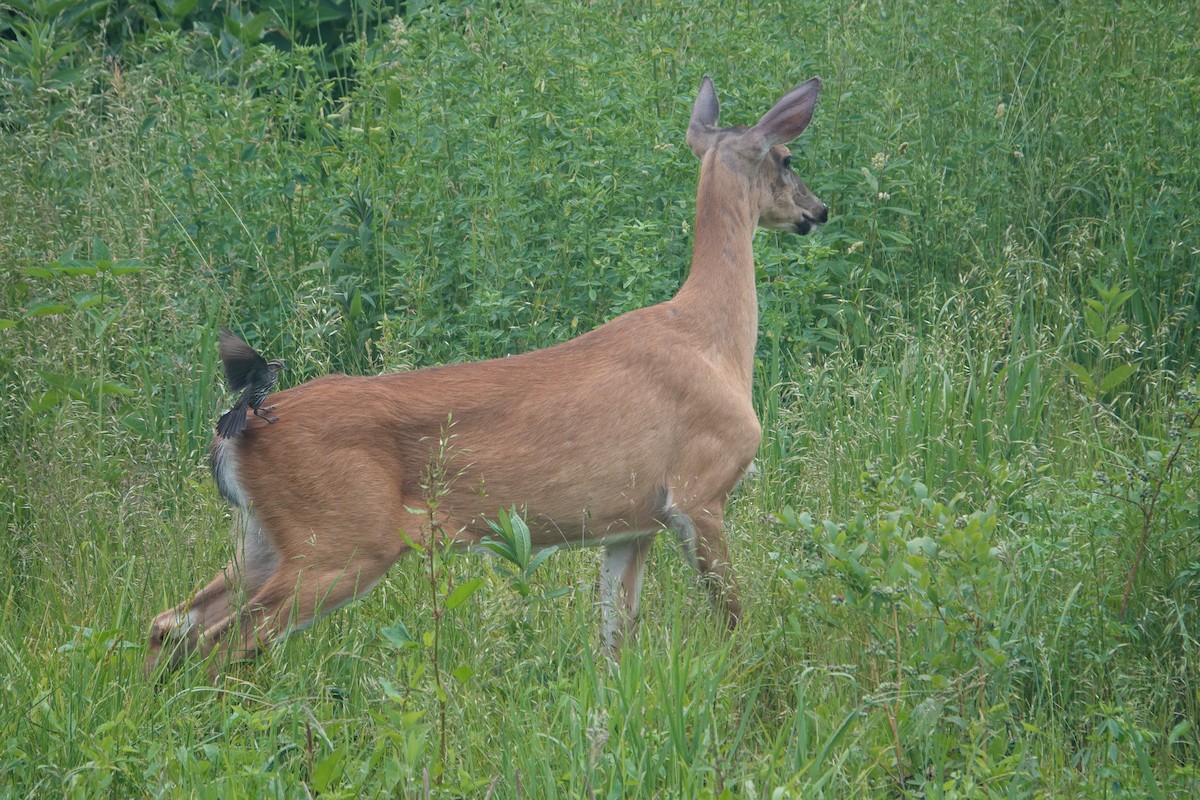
(923, 545)
(87, 299)
(128, 265)
(499, 548)
(539, 557)
(1081, 374)
(462, 674)
(112, 387)
(46, 308)
(872, 181)
(520, 539)
(328, 769)
(1116, 377)
(67, 385)
(100, 250)
(399, 636)
(48, 400)
(462, 592)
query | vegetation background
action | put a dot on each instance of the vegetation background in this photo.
(971, 554)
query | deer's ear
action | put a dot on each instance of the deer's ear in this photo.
(703, 127)
(788, 118)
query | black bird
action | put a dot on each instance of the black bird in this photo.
(250, 374)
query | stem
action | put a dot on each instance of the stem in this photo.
(896, 703)
(1148, 508)
(434, 529)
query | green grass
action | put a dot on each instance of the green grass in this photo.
(969, 421)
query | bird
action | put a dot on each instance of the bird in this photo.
(252, 375)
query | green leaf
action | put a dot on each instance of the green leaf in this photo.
(112, 387)
(87, 300)
(922, 545)
(462, 592)
(393, 95)
(75, 268)
(1178, 731)
(7, 323)
(872, 181)
(69, 386)
(539, 557)
(128, 265)
(1081, 374)
(499, 548)
(45, 308)
(399, 636)
(328, 769)
(462, 674)
(100, 250)
(1116, 376)
(520, 539)
(48, 400)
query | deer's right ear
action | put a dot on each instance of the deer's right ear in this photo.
(703, 127)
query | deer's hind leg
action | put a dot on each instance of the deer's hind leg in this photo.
(702, 538)
(312, 576)
(184, 629)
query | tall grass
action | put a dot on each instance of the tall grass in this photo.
(966, 410)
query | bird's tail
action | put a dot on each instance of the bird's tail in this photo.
(232, 422)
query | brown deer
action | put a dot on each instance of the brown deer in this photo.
(640, 425)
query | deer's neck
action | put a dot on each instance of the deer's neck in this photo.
(719, 293)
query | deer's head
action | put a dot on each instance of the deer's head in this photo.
(760, 153)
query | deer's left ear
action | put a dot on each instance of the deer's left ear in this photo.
(790, 115)
(703, 127)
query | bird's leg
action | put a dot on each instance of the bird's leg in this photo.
(263, 412)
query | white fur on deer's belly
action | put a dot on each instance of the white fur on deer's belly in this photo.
(258, 554)
(591, 540)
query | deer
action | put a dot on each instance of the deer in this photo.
(642, 425)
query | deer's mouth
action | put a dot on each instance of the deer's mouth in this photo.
(808, 222)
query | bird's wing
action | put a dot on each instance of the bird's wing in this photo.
(240, 359)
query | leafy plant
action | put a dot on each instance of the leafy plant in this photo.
(1108, 369)
(513, 545)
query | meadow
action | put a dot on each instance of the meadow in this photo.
(970, 554)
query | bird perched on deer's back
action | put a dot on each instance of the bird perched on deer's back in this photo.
(252, 375)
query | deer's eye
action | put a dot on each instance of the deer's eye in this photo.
(787, 162)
